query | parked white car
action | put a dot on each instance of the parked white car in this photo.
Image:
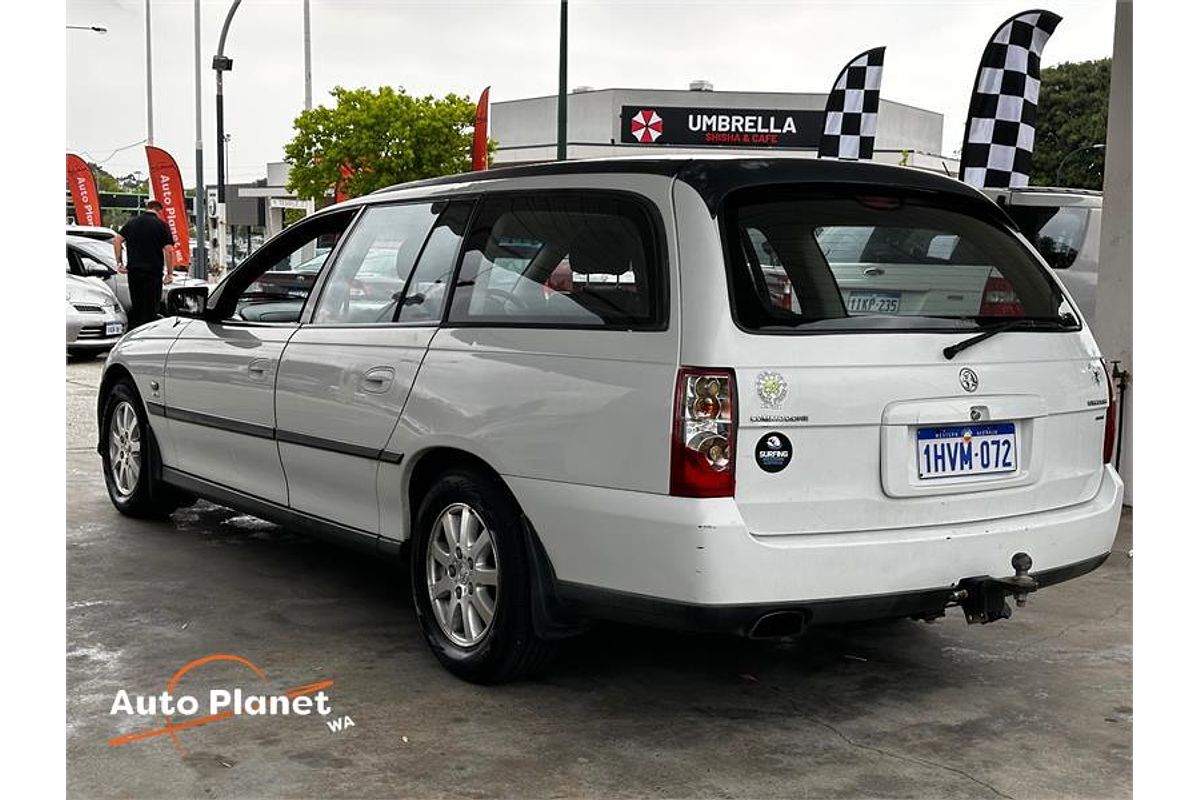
(582, 390)
(94, 316)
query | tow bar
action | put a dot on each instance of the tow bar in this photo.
(984, 599)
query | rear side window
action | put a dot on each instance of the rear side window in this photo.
(574, 260)
(1057, 233)
(850, 261)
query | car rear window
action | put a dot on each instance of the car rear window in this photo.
(878, 260)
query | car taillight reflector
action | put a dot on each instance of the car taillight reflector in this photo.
(704, 428)
(1000, 299)
(1110, 419)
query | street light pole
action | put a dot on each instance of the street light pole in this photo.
(149, 82)
(222, 63)
(562, 81)
(200, 262)
(93, 28)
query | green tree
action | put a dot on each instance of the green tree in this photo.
(133, 183)
(1072, 114)
(385, 137)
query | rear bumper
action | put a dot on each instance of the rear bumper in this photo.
(740, 620)
(693, 563)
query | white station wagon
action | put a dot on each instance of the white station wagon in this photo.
(651, 391)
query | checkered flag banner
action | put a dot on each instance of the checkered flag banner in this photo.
(998, 143)
(852, 110)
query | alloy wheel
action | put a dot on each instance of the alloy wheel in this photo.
(124, 448)
(462, 574)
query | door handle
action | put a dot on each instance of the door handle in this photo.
(259, 367)
(377, 379)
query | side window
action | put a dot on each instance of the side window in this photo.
(569, 260)
(93, 266)
(275, 282)
(369, 276)
(425, 296)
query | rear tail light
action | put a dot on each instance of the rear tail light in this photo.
(1110, 419)
(1000, 299)
(704, 427)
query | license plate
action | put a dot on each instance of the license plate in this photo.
(113, 328)
(873, 302)
(966, 450)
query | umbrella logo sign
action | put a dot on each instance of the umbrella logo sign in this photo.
(646, 126)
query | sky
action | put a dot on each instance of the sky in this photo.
(933, 50)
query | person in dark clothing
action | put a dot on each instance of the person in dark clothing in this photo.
(149, 243)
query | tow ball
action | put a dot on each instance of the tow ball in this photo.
(984, 599)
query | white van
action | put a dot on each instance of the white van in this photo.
(643, 390)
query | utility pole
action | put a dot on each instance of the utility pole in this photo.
(149, 82)
(200, 262)
(562, 81)
(307, 58)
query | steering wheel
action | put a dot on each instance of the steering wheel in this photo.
(506, 298)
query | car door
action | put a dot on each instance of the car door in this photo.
(346, 373)
(220, 373)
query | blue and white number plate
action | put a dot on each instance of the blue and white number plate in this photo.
(966, 450)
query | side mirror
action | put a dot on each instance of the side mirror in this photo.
(187, 301)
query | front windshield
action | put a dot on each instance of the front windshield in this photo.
(895, 261)
(101, 251)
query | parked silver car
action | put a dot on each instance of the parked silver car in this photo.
(1064, 226)
(95, 312)
(90, 258)
(75, 321)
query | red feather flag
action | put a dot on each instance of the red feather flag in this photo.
(82, 184)
(479, 159)
(167, 186)
(339, 190)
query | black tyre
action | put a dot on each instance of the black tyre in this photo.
(130, 458)
(471, 581)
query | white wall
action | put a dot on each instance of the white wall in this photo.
(1114, 288)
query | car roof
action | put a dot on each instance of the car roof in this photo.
(715, 176)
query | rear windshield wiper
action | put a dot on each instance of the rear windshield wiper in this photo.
(1021, 322)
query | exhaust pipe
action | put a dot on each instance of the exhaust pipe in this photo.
(777, 624)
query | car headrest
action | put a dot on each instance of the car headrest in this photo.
(610, 247)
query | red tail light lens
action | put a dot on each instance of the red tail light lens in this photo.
(1000, 299)
(704, 428)
(1110, 420)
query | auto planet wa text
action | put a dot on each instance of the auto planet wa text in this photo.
(221, 701)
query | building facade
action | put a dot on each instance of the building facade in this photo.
(623, 122)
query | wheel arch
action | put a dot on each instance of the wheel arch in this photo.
(426, 465)
(112, 375)
(551, 620)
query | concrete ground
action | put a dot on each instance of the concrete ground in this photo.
(1037, 706)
